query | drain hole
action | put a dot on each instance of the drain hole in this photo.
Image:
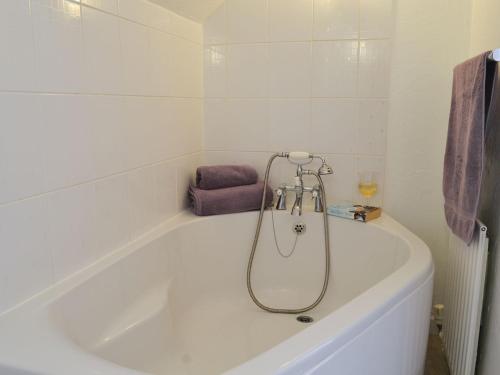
(305, 319)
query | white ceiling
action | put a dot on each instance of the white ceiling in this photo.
(197, 10)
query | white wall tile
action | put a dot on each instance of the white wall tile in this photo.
(335, 69)
(248, 124)
(290, 125)
(336, 19)
(17, 54)
(237, 124)
(20, 152)
(188, 65)
(187, 119)
(165, 175)
(374, 68)
(334, 126)
(376, 20)
(312, 93)
(81, 146)
(155, 16)
(160, 18)
(176, 66)
(72, 233)
(67, 141)
(103, 62)
(161, 128)
(377, 166)
(113, 215)
(372, 125)
(290, 20)
(290, 70)
(186, 28)
(58, 27)
(247, 67)
(6, 301)
(135, 58)
(135, 10)
(104, 117)
(341, 185)
(216, 125)
(215, 71)
(214, 26)
(26, 266)
(137, 121)
(110, 6)
(186, 167)
(163, 60)
(185, 129)
(247, 21)
(258, 160)
(143, 200)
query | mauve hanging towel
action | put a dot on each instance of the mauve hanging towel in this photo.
(464, 157)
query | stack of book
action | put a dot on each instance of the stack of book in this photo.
(354, 212)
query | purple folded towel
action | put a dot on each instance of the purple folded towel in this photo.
(464, 159)
(224, 176)
(228, 200)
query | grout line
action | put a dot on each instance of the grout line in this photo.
(83, 48)
(268, 21)
(296, 41)
(356, 155)
(317, 98)
(35, 49)
(99, 179)
(358, 64)
(359, 18)
(313, 20)
(69, 93)
(117, 15)
(121, 66)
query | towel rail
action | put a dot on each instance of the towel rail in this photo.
(495, 55)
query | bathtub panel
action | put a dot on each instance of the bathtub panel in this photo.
(402, 330)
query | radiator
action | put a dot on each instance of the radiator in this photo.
(464, 301)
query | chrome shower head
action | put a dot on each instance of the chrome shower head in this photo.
(325, 169)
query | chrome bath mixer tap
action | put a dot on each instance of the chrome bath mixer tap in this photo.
(299, 189)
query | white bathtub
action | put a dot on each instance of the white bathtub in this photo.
(175, 302)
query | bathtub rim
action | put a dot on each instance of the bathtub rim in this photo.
(315, 344)
(341, 324)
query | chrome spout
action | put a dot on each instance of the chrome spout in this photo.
(299, 192)
(318, 200)
(297, 206)
(281, 203)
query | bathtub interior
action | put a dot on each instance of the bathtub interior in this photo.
(180, 305)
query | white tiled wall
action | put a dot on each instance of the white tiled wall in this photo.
(100, 116)
(300, 74)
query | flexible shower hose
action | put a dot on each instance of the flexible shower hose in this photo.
(256, 241)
